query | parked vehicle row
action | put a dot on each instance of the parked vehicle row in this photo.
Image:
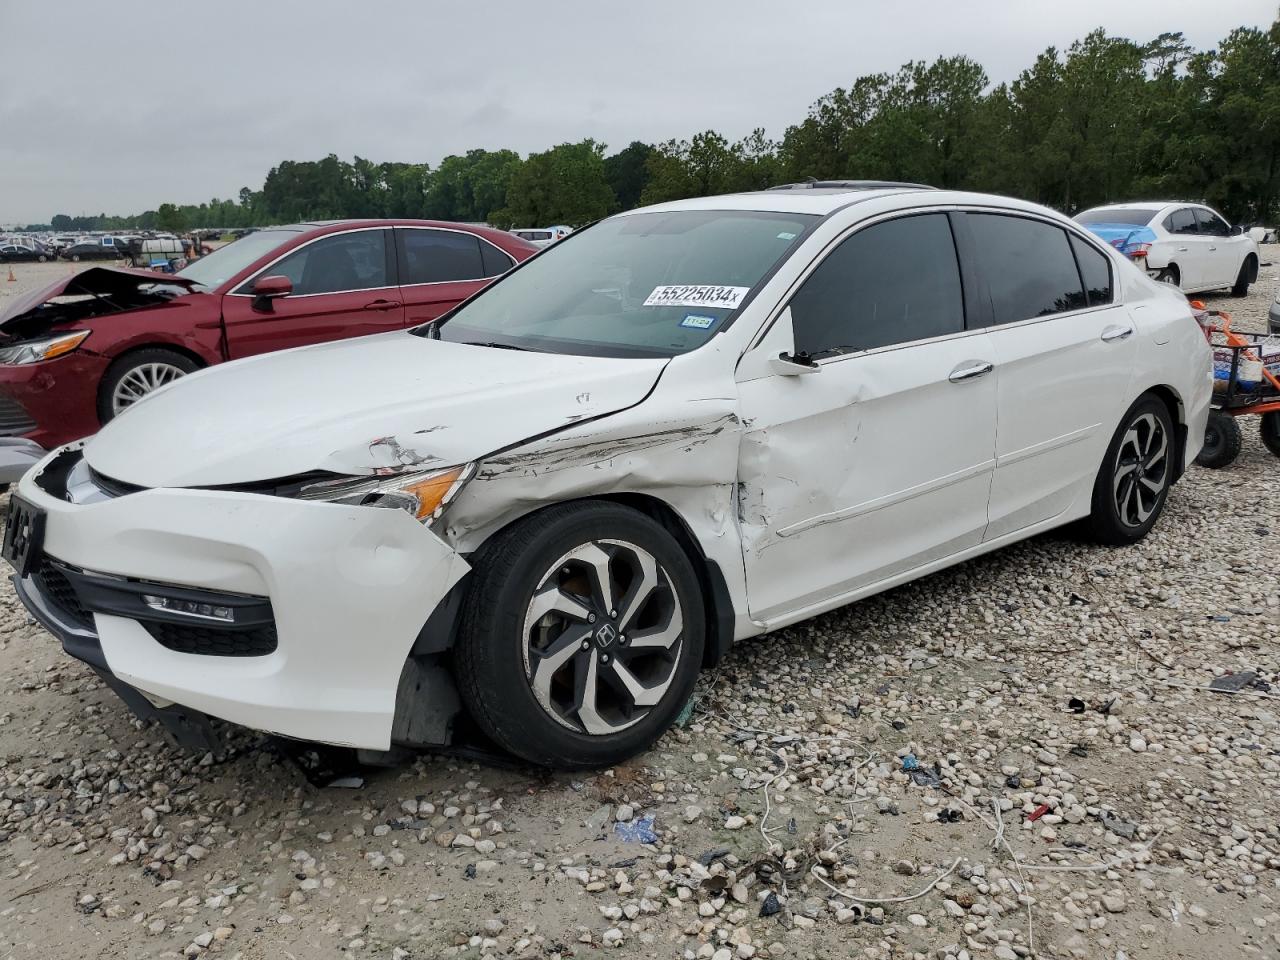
(552, 505)
(1187, 245)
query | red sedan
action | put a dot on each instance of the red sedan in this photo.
(78, 352)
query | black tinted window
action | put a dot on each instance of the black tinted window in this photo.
(345, 261)
(1129, 217)
(439, 256)
(1096, 271)
(890, 283)
(494, 260)
(1028, 267)
(1181, 221)
(1212, 224)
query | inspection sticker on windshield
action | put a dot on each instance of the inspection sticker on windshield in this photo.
(691, 295)
(697, 322)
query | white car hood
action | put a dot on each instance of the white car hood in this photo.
(380, 403)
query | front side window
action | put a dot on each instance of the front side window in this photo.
(334, 264)
(1095, 270)
(1211, 224)
(890, 283)
(1028, 265)
(1181, 221)
(636, 285)
(439, 256)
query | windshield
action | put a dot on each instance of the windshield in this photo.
(641, 285)
(225, 262)
(1124, 217)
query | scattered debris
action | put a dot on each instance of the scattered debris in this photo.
(1233, 682)
(639, 830)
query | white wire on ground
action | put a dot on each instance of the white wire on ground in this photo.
(915, 896)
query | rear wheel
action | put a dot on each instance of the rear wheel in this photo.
(1222, 441)
(1133, 482)
(1269, 427)
(1170, 275)
(582, 635)
(75, 257)
(137, 374)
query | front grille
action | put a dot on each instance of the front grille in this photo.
(57, 592)
(210, 642)
(14, 420)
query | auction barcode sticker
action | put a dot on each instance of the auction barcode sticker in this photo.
(697, 295)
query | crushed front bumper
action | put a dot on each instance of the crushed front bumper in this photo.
(349, 589)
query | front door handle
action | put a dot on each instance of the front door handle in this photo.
(1182, 249)
(970, 370)
(383, 305)
(1115, 334)
(1213, 248)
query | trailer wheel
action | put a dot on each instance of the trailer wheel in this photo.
(1269, 427)
(1222, 441)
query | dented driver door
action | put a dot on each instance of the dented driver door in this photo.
(872, 463)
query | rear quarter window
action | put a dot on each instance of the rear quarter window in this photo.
(1095, 270)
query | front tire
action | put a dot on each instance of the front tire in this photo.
(581, 637)
(1222, 440)
(1243, 279)
(1133, 482)
(137, 374)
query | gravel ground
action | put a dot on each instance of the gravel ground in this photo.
(1077, 791)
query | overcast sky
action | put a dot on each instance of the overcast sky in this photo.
(114, 107)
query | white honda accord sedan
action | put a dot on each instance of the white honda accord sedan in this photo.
(547, 511)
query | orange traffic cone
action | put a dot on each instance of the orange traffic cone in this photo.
(12, 278)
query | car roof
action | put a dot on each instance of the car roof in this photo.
(1152, 205)
(827, 197)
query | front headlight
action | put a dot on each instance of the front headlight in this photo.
(35, 350)
(423, 494)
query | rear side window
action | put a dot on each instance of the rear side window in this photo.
(1095, 269)
(1181, 221)
(891, 283)
(1028, 266)
(494, 260)
(439, 256)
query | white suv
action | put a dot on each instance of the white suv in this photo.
(682, 426)
(1185, 244)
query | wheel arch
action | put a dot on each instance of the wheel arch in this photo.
(1177, 412)
(170, 345)
(440, 631)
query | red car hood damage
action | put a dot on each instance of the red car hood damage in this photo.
(111, 289)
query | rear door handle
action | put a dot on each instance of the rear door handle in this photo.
(383, 305)
(1182, 249)
(970, 370)
(1114, 334)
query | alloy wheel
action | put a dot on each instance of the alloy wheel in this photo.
(1141, 470)
(602, 637)
(140, 381)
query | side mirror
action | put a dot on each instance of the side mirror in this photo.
(794, 365)
(1237, 230)
(268, 289)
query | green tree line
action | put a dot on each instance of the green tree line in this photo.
(1106, 120)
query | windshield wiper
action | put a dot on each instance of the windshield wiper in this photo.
(494, 344)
